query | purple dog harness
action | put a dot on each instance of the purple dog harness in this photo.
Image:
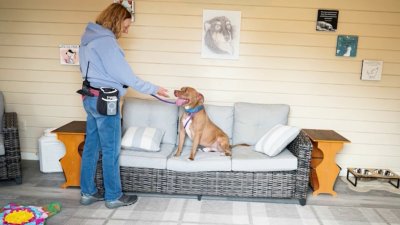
(190, 112)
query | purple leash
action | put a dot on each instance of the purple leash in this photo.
(163, 100)
(187, 121)
(170, 102)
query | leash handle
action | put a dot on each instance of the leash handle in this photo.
(163, 100)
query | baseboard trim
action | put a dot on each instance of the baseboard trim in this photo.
(29, 156)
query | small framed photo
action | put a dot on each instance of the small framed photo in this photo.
(327, 20)
(371, 70)
(346, 45)
(69, 55)
(129, 5)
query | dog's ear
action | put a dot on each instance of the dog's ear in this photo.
(200, 97)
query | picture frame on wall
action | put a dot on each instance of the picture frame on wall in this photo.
(347, 45)
(221, 34)
(327, 20)
(371, 70)
(69, 55)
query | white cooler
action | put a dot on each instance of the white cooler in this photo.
(51, 150)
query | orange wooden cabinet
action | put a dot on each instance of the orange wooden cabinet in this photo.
(72, 135)
(324, 170)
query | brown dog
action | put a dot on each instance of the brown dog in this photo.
(197, 125)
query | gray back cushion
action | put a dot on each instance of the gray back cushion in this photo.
(252, 120)
(222, 116)
(151, 113)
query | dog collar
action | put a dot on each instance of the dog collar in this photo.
(195, 109)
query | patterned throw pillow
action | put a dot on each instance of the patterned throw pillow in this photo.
(276, 139)
(142, 138)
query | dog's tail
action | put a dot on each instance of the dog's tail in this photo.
(243, 144)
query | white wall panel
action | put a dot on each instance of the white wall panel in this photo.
(282, 60)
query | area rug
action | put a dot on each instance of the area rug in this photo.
(371, 185)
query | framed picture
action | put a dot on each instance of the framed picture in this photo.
(129, 5)
(69, 55)
(327, 20)
(346, 45)
(221, 34)
(371, 70)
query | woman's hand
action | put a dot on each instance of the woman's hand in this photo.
(162, 92)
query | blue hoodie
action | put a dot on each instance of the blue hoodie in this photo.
(108, 66)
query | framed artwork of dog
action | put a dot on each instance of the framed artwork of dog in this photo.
(347, 45)
(221, 34)
(327, 20)
(371, 70)
(69, 55)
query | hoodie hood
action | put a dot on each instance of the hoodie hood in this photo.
(94, 31)
(108, 66)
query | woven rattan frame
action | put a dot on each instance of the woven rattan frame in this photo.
(278, 184)
(10, 162)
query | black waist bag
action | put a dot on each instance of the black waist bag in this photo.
(107, 102)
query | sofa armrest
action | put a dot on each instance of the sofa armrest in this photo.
(12, 145)
(10, 131)
(10, 121)
(301, 147)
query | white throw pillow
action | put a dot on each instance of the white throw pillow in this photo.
(276, 139)
(142, 138)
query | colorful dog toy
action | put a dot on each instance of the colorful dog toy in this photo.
(13, 214)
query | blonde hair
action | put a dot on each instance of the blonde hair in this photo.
(112, 18)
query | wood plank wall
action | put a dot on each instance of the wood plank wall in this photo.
(282, 60)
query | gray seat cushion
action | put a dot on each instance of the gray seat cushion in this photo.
(146, 159)
(151, 113)
(204, 161)
(252, 121)
(244, 158)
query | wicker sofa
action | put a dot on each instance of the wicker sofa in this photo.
(246, 173)
(10, 153)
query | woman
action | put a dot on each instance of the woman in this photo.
(103, 65)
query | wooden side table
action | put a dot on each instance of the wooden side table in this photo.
(324, 170)
(72, 135)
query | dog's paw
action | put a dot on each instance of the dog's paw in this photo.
(191, 158)
(228, 153)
